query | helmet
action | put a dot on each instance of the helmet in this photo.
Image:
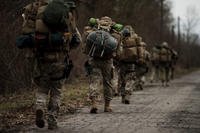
(130, 28)
(143, 44)
(126, 32)
(165, 44)
(87, 28)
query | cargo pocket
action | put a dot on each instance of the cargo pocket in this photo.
(57, 71)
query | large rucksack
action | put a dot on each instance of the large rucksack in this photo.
(165, 55)
(132, 51)
(100, 44)
(55, 16)
(47, 26)
(129, 50)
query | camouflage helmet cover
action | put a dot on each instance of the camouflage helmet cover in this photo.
(164, 44)
(143, 44)
(130, 28)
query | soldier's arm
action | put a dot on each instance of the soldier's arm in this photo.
(118, 37)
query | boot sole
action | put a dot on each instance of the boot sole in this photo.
(127, 102)
(93, 111)
(39, 119)
(108, 111)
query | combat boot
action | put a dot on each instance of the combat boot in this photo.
(127, 97)
(94, 108)
(52, 122)
(107, 107)
(40, 118)
(167, 84)
(125, 100)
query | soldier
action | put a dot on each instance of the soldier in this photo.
(164, 63)
(101, 59)
(154, 64)
(173, 63)
(127, 62)
(53, 40)
(142, 68)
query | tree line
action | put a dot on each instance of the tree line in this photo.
(151, 19)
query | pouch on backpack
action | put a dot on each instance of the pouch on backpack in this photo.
(25, 41)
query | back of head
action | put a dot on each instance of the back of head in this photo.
(165, 45)
(126, 32)
(143, 44)
(130, 28)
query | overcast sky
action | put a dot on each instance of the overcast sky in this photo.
(179, 8)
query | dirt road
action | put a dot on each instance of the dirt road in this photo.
(175, 109)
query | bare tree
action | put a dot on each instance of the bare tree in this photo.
(192, 19)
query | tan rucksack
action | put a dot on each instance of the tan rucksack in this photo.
(133, 49)
(142, 53)
(29, 18)
(165, 55)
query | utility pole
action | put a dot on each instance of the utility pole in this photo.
(179, 32)
(172, 34)
(161, 21)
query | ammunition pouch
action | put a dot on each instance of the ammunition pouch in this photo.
(25, 41)
(88, 68)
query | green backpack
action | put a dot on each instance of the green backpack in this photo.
(55, 15)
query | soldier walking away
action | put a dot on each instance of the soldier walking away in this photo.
(130, 55)
(101, 42)
(142, 68)
(154, 76)
(173, 63)
(49, 32)
(165, 57)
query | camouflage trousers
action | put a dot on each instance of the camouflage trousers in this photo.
(126, 79)
(164, 71)
(47, 79)
(102, 68)
(140, 70)
(116, 81)
(154, 73)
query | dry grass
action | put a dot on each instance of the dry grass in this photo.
(17, 110)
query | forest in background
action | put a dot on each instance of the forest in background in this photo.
(143, 15)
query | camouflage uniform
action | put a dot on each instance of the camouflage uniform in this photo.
(141, 70)
(154, 65)
(48, 71)
(126, 78)
(164, 66)
(173, 63)
(101, 66)
(126, 70)
(104, 68)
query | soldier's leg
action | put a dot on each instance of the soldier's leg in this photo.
(167, 76)
(153, 73)
(138, 81)
(94, 83)
(55, 73)
(157, 73)
(162, 74)
(129, 79)
(106, 70)
(54, 106)
(116, 81)
(122, 83)
(41, 97)
(172, 72)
